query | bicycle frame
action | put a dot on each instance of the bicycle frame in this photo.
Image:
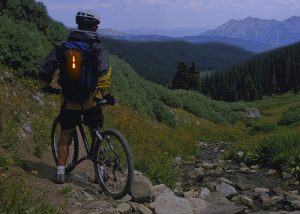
(89, 149)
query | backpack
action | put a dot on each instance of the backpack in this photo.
(78, 68)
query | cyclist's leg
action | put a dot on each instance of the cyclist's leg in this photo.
(63, 147)
(94, 118)
(68, 121)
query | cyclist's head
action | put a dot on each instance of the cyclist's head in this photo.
(87, 20)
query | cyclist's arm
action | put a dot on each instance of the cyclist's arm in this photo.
(104, 71)
(48, 67)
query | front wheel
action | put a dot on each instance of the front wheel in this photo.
(113, 164)
(73, 147)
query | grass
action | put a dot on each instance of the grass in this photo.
(272, 139)
(15, 194)
(65, 190)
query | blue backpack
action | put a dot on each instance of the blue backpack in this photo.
(78, 66)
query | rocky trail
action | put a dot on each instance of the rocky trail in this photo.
(236, 188)
(208, 185)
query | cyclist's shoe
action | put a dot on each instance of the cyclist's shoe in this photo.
(59, 178)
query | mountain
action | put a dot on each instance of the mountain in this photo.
(253, 46)
(270, 32)
(157, 61)
(112, 32)
(179, 32)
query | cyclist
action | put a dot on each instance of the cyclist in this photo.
(70, 113)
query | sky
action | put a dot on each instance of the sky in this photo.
(171, 14)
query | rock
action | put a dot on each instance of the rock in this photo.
(205, 192)
(286, 175)
(141, 190)
(218, 204)
(280, 192)
(191, 194)
(178, 191)
(240, 154)
(255, 167)
(225, 181)
(124, 208)
(39, 98)
(261, 190)
(199, 205)
(143, 209)
(244, 200)
(108, 211)
(160, 189)
(268, 202)
(134, 206)
(271, 172)
(242, 185)
(97, 205)
(206, 165)
(126, 199)
(196, 173)
(178, 161)
(27, 127)
(168, 203)
(8, 77)
(219, 171)
(293, 198)
(252, 113)
(228, 190)
(244, 169)
(88, 196)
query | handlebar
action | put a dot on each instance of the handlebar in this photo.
(50, 90)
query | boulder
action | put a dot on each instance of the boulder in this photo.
(261, 190)
(294, 199)
(142, 209)
(205, 192)
(160, 189)
(244, 200)
(168, 203)
(124, 208)
(227, 190)
(252, 113)
(141, 190)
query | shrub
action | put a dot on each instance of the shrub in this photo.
(22, 46)
(281, 149)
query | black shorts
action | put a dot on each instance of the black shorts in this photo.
(69, 119)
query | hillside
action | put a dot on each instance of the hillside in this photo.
(273, 72)
(157, 61)
(270, 32)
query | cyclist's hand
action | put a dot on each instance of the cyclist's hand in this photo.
(111, 100)
(97, 96)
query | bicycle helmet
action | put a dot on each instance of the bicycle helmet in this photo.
(87, 18)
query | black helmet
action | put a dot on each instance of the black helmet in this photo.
(87, 18)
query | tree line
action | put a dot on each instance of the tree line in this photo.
(277, 71)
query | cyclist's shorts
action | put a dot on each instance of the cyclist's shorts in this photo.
(69, 119)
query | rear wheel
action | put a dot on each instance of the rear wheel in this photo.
(113, 164)
(73, 148)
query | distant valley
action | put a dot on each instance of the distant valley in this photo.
(157, 61)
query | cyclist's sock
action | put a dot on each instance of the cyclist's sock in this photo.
(61, 170)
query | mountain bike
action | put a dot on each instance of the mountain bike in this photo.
(109, 151)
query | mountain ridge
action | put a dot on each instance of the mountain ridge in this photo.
(267, 31)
